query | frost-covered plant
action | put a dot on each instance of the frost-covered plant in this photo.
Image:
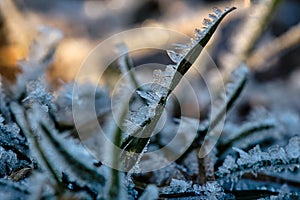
(163, 85)
(276, 159)
(41, 158)
(29, 140)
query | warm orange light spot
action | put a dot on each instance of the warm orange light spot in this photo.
(247, 3)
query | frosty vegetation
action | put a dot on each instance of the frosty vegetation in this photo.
(42, 158)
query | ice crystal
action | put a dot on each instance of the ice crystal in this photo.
(157, 86)
(211, 190)
(213, 17)
(9, 162)
(130, 126)
(141, 115)
(11, 135)
(199, 35)
(151, 97)
(13, 149)
(36, 92)
(177, 186)
(175, 57)
(162, 80)
(207, 22)
(217, 11)
(276, 159)
(184, 49)
(228, 165)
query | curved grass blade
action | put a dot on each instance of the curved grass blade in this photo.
(138, 140)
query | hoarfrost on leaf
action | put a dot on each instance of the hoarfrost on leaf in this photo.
(213, 17)
(174, 56)
(141, 115)
(149, 96)
(217, 11)
(177, 186)
(228, 165)
(276, 159)
(9, 162)
(244, 156)
(184, 49)
(162, 80)
(157, 86)
(211, 190)
(207, 22)
(36, 92)
(198, 34)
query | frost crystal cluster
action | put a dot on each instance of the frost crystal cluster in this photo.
(275, 159)
(41, 156)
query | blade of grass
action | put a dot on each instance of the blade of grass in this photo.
(137, 141)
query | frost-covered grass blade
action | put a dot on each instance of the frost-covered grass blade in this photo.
(164, 83)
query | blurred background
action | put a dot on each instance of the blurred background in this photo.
(264, 34)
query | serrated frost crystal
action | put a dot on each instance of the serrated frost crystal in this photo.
(228, 165)
(213, 17)
(177, 186)
(217, 11)
(149, 96)
(174, 56)
(207, 22)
